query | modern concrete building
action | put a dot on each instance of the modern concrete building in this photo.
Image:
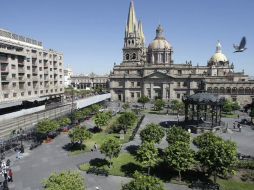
(151, 71)
(91, 81)
(28, 71)
(67, 76)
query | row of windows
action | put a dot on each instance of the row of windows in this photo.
(133, 94)
(229, 90)
(29, 93)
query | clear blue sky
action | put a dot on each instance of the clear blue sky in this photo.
(90, 33)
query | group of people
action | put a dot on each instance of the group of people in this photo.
(239, 126)
(6, 171)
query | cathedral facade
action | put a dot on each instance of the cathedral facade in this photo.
(151, 71)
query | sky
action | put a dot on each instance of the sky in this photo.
(90, 33)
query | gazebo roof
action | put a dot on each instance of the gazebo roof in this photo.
(203, 98)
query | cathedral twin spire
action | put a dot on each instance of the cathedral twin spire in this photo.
(133, 27)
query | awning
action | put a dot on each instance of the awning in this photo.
(10, 104)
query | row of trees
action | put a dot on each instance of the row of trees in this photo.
(230, 106)
(215, 155)
(80, 115)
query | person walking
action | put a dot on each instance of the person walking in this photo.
(10, 174)
(234, 125)
(240, 128)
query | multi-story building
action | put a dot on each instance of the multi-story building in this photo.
(151, 71)
(67, 76)
(91, 81)
(28, 71)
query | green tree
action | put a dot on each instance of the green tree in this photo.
(101, 119)
(126, 106)
(64, 121)
(78, 115)
(111, 148)
(175, 134)
(126, 120)
(218, 157)
(79, 134)
(205, 139)
(152, 132)
(143, 182)
(227, 107)
(179, 156)
(159, 104)
(86, 112)
(65, 181)
(143, 100)
(235, 106)
(95, 108)
(147, 154)
(46, 126)
(177, 106)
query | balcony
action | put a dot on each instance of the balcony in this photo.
(4, 78)
(35, 78)
(22, 78)
(34, 55)
(4, 69)
(35, 71)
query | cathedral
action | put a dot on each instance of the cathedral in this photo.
(151, 71)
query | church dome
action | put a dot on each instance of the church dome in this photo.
(159, 42)
(218, 56)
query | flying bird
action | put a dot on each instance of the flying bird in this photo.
(241, 46)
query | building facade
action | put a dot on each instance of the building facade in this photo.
(151, 71)
(67, 77)
(28, 71)
(91, 81)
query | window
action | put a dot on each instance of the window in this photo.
(51, 90)
(13, 66)
(51, 76)
(14, 94)
(132, 94)
(28, 67)
(40, 61)
(29, 84)
(22, 93)
(132, 84)
(41, 91)
(14, 84)
(138, 84)
(179, 72)
(41, 83)
(28, 76)
(138, 94)
(28, 59)
(178, 84)
(6, 95)
(50, 69)
(178, 96)
(13, 76)
(234, 99)
(29, 93)
(35, 92)
(61, 89)
(47, 91)
(40, 68)
(13, 57)
(40, 76)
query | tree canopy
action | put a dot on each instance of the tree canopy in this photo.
(175, 134)
(205, 139)
(111, 148)
(65, 181)
(152, 132)
(177, 106)
(79, 134)
(65, 121)
(147, 154)
(143, 100)
(126, 120)
(159, 104)
(101, 119)
(218, 157)
(143, 182)
(179, 156)
(46, 126)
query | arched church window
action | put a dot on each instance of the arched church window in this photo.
(127, 56)
(132, 41)
(134, 56)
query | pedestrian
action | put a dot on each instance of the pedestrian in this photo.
(189, 130)
(240, 128)
(238, 116)
(95, 146)
(234, 125)
(10, 174)
(8, 163)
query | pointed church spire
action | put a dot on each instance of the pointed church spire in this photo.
(141, 32)
(132, 21)
(218, 47)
